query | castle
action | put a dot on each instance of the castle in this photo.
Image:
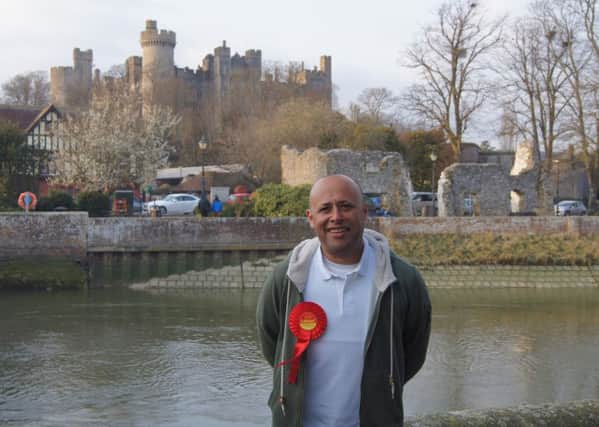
(156, 74)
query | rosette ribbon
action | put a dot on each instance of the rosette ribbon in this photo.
(307, 321)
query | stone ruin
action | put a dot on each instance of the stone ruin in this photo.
(525, 190)
(493, 192)
(378, 173)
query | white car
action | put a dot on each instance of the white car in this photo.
(570, 207)
(174, 204)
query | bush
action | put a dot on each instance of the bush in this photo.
(238, 209)
(55, 200)
(95, 203)
(281, 200)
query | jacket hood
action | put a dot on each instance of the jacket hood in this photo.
(301, 257)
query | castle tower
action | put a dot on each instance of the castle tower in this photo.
(82, 65)
(222, 70)
(325, 66)
(133, 70)
(70, 87)
(158, 59)
(253, 59)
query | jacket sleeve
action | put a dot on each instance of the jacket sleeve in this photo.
(267, 318)
(417, 326)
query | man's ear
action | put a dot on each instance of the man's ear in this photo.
(309, 215)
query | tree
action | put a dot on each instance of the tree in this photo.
(535, 81)
(416, 147)
(451, 60)
(301, 123)
(18, 162)
(377, 102)
(31, 89)
(114, 143)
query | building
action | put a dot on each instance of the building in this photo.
(161, 80)
(39, 125)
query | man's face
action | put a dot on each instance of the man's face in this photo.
(338, 216)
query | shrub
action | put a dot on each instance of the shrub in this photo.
(281, 200)
(95, 203)
(238, 209)
(55, 200)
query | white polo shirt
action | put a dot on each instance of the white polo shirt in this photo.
(334, 361)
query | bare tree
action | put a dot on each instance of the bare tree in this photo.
(451, 60)
(575, 20)
(535, 81)
(31, 89)
(377, 102)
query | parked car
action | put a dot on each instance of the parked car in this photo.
(421, 199)
(174, 204)
(570, 207)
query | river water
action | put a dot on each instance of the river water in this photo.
(121, 357)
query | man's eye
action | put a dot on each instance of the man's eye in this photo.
(324, 209)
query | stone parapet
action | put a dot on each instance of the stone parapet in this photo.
(577, 413)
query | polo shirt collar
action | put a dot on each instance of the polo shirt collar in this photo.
(362, 265)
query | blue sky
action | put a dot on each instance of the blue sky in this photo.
(365, 38)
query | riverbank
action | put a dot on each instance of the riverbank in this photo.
(141, 249)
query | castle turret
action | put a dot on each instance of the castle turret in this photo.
(133, 70)
(253, 59)
(158, 58)
(325, 66)
(222, 70)
(70, 87)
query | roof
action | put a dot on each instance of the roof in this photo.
(182, 172)
(22, 116)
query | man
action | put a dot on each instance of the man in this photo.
(377, 325)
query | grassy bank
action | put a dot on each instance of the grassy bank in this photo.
(41, 275)
(492, 249)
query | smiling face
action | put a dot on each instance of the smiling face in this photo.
(338, 215)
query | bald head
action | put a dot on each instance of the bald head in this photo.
(335, 181)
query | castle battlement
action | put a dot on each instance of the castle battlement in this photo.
(82, 55)
(151, 36)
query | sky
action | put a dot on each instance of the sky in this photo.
(366, 38)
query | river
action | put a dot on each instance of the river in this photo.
(115, 356)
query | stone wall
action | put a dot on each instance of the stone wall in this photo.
(74, 235)
(252, 274)
(377, 172)
(526, 189)
(183, 252)
(576, 413)
(37, 236)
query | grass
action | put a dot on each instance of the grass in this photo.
(493, 249)
(31, 275)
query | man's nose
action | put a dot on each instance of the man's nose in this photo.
(336, 214)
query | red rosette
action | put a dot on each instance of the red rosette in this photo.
(307, 321)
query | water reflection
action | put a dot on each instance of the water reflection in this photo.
(114, 356)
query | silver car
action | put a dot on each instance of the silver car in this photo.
(570, 207)
(174, 204)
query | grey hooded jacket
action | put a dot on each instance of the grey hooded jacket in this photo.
(396, 341)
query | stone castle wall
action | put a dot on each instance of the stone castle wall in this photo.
(156, 68)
